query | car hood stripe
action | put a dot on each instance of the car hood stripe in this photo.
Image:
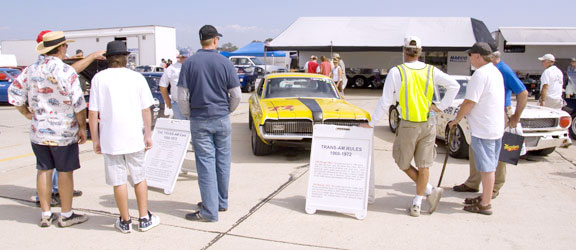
(314, 107)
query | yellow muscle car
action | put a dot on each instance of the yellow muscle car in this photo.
(285, 107)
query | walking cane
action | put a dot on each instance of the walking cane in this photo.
(450, 134)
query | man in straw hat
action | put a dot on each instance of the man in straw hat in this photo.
(120, 101)
(412, 85)
(48, 93)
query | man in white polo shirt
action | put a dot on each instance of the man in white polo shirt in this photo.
(551, 83)
(484, 110)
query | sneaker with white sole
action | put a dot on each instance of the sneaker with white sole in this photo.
(46, 221)
(415, 211)
(123, 226)
(145, 224)
(434, 198)
(72, 220)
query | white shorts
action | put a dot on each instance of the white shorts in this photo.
(116, 166)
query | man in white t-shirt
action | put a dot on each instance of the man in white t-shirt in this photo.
(484, 110)
(170, 78)
(120, 101)
(551, 83)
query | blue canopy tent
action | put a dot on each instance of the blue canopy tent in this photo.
(257, 50)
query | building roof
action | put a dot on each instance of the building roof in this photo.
(539, 35)
(380, 33)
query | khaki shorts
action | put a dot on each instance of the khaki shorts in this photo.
(414, 140)
(118, 165)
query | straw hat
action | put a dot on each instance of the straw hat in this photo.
(50, 41)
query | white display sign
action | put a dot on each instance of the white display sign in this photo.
(170, 141)
(340, 170)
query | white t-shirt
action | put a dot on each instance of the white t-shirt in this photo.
(486, 89)
(554, 78)
(120, 95)
(335, 76)
(170, 77)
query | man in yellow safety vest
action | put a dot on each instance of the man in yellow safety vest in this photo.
(412, 86)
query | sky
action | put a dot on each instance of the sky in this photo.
(244, 21)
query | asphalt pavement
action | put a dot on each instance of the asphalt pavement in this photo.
(535, 210)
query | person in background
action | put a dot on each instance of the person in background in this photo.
(571, 73)
(551, 83)
(49, 90)
(120, 125)
(412, 86)
(325, 66)
(483, 108)
(311, 66)
(336, 75)
(209, 92)
(168, 63)
(512, 85)
(163, 63)
(343, 67)
(79, 53)
(170, 78)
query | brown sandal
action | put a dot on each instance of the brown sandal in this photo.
(472, 201)
(479, 209)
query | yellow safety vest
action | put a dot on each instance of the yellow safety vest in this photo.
(416, 92)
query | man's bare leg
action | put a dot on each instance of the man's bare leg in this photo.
(44, 188)
(121, 196)
(141, 190)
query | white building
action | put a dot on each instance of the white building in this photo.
(521, 47)
(372, 45)
(148, 44)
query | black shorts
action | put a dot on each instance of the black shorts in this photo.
(61, 158)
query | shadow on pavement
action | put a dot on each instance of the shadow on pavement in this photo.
(175, 208)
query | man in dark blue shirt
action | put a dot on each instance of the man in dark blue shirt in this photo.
(209, 90)
(511, 85)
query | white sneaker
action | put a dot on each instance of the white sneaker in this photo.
(147, 224)
(434, 198)
(415, 211)
(124, 227)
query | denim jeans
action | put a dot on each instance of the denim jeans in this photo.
(486, 153)
(212, 148)
(177, 113)
(55, 181)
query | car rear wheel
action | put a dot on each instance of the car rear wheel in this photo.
(543, 152)
(458, 147)
(259, 148)
(359, 81)
(393, 118)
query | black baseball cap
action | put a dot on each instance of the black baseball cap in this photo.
(208, 32)
(481, 48)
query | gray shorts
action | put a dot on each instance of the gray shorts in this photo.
(116, 166)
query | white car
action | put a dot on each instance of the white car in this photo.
(544, 128)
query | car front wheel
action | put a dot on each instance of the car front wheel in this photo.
(259, 148)
(457, 146)
(393, 118)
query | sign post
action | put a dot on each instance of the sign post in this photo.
(340, 165)
(170, 141)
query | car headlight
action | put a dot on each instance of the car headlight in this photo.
(565, 121)
(241, 79)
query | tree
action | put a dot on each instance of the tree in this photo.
(228, 47)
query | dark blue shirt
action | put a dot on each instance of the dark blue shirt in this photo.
(511, 83)
(208, 76)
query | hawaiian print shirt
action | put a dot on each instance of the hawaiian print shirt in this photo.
(50, 88)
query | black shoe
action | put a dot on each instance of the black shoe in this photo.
(199, 204)
(77, 193)
(196, 217)
(464, 188)
(55, 200)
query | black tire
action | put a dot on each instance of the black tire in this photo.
(259, 148)
(250, 121)
(245, 89)
(458, 147)
(572, 128)
(543, 152)
(359, 82)
(393, 118)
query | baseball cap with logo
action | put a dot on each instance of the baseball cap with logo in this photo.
(548, 57)
(412, 42)
(208, 32)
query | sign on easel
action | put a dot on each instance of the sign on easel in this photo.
(170, 141)
(340, 170)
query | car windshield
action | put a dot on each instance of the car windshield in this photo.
(240, 61)
(257, 61)
(143, 69)
(461, 93)
(300, 87)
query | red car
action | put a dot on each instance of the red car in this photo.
(46, 90)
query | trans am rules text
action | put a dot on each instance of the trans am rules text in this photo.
(341, 150)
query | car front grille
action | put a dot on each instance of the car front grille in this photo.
(294, 127)
(342, 122)
(539, 122)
